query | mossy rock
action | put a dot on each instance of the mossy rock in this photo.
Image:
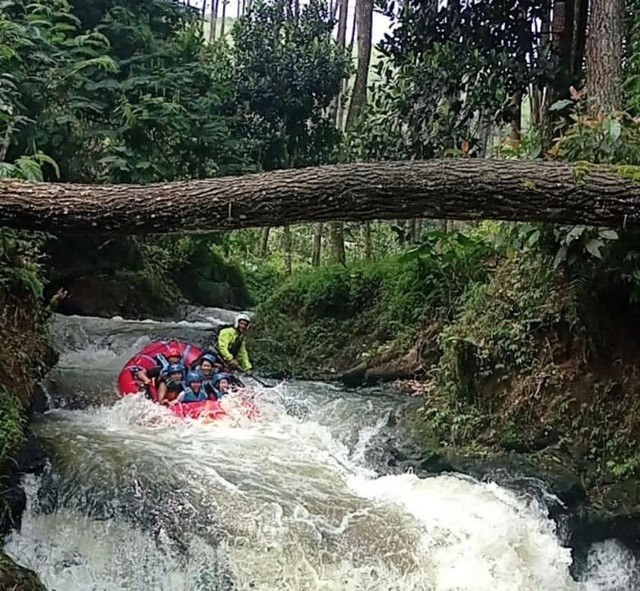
(14, 577)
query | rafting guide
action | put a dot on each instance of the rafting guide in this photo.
(231, 344)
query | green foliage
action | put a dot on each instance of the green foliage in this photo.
(498, 331)
(382, 301)
(602, 139)
(11, 423)
(20, 264)
(289, 72)
(449, 71)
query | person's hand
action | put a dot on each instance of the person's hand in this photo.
(60, 295)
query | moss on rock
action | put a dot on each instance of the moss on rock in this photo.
(14, 577)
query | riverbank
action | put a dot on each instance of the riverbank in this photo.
(25, 355)
(512, 354)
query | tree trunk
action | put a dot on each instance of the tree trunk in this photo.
(580, 18)
(338, 253)
(264, 242)
(368, 243)
(605, 42)
(336, 229)
(286, 238)
(516, 120)
(214, 20)
(364, 19)
(419, 224)
(316, 253)
(463, 189)
(223, 20)
(341, 39)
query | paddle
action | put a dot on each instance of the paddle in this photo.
(264, 384)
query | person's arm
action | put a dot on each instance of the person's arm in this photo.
(143, 376)
(54, 302)
(146, 376)
(179, 398)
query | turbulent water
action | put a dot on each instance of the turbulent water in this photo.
(135, 499)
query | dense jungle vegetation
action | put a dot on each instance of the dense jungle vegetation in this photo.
(520, 336)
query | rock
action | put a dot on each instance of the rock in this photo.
(354, 377)
(39, 403)
(16, 502)
(18, 578)
(31, 457)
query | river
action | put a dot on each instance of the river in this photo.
(135, 499)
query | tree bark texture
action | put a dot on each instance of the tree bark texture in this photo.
(264, 242)
(463, 189)
(368, 242)
(316, 252)
(338, 252)
(605, 50)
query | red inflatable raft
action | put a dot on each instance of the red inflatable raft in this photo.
(145, 359)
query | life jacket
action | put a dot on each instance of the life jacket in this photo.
(207, 386)
(234, 347)
(191, 396)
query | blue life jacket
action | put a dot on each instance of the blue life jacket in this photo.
(207, 386)
(191, 396)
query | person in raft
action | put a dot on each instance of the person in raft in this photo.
(194, 392)
(208, 364)
(231, 344)
(221, 385)
(172, 357)
(171, 385)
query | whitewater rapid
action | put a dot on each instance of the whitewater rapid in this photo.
(137, 499)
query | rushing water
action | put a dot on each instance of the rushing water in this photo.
(136, 499)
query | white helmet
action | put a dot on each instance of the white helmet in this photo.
(241, 317)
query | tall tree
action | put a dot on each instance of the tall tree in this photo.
(364, 22)
(336, 229)
(605, 47)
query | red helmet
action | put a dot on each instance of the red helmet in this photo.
(173, 351)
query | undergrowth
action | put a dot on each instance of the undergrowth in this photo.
(336, 315)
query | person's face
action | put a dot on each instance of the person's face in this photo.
(175, 376)
(243, 326)
(195, 386)
(206, 367)
(223, 386)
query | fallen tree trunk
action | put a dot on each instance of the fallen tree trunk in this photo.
(440, 189)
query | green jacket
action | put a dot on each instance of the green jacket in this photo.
(227, 343)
